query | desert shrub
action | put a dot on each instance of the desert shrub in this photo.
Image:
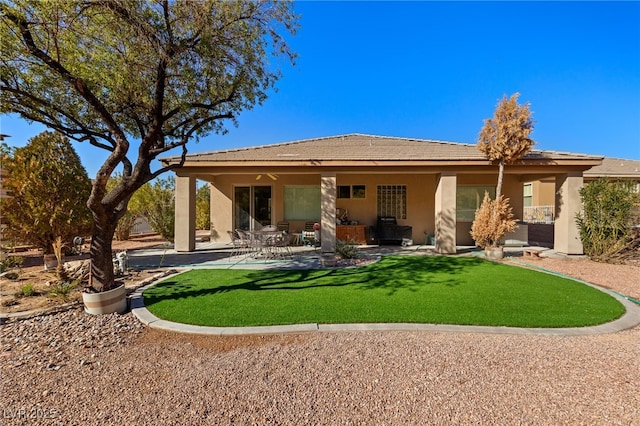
(347, 249)
(493, 219)
(125, 225)
(26, 290)
(157, 203)
(203, 208)
(11, 262)
(62, 289)
(49, 189)
(606, 221)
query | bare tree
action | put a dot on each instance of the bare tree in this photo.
(505, 137)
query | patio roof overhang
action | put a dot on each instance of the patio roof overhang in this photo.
(359, 153)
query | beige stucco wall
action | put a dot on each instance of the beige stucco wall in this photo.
(568, 204)
(543, 192)
(421, 189)
(185, 213)
(420, 199)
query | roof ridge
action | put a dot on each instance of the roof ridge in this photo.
(299, 141)
(397, 138)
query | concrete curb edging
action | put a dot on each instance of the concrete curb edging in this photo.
(630, 319)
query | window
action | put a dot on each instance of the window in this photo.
(344, 191)
(358, 191)
(392, 201)
(302, 202)
(353, 191)
(468, 200)
(527, 195)
(251, 207)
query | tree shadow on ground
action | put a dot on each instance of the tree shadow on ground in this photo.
(392, 273)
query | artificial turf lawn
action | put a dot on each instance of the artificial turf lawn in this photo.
(397, 289)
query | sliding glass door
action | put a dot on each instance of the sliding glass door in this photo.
(251, 207)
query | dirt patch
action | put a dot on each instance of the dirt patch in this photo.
(32, 277)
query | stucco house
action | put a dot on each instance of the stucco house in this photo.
(432, 186)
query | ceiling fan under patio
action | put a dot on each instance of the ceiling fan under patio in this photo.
(272, 176)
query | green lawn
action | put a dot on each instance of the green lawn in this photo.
(407, 289)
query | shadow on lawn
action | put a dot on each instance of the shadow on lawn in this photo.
(392, 273)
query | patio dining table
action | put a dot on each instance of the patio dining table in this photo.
(269, 244)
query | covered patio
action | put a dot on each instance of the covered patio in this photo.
(218, 255)
(431, 187)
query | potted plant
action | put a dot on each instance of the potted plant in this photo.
(494, 218)
(106, 301)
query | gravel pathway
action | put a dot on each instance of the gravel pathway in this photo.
(71, 368)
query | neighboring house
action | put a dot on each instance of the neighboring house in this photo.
(616, 169)
(432, 186)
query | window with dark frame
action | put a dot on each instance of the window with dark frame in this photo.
(358, 191)
(351, 191)
(344, 191)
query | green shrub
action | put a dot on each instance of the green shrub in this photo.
(62, 289)
(11, 262)
(347, 249)
(607, 217)
(26, 291)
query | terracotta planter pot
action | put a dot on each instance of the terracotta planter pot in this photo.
(494, 253)
(106, 302)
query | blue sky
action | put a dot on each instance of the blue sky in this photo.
(435, 70)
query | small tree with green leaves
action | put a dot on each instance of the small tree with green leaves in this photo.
(157, 205)
(607, 217)
(134, 211)
(48, 188)
(203, 207)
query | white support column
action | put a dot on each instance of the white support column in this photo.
(185, 226)
(445, 204)
(329, 192)
(568, 203)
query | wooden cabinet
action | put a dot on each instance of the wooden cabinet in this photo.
(358, 233)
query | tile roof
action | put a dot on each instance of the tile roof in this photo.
(615, 167)
(354, 147)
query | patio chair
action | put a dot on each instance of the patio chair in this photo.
(239, 247)
(281, 246)
(283, 226)
(247, 242)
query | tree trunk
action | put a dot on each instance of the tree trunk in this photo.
(102, 277)
(496, 203)
(500, 177)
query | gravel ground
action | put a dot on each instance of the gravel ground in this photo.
(71, 368)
